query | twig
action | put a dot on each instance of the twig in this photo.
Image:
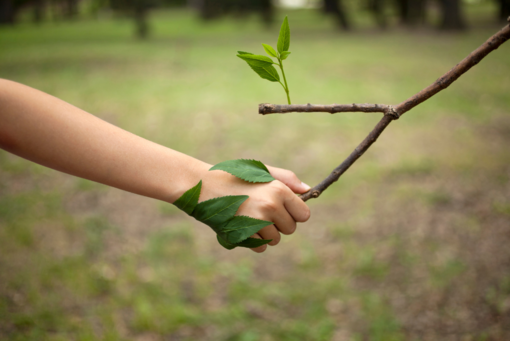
(266, 108)
(390, 112)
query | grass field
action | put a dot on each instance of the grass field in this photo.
(411, 244)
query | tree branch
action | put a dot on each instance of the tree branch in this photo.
(390, 112)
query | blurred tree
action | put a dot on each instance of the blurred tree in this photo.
(70, 8)
(377, 8)
(38, 11)
(336, 8)
(411, 12)
(6, 12)
(451, 15)
(9, 10)
(504, 9)
(138, 10)
(212, 9)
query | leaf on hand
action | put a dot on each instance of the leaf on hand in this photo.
(284, 55)
(216, 212)
(256, 60)
(284, 37)
(249, 243)
(189, 200)
(267, 72)
(248, 170)
(253, 242)
(240, 228)
(269, 50)
(225, 244)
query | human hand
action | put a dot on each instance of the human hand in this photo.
(275, 201)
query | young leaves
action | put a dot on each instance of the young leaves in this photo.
(263, 65)
(270, 51)
(219, 213)
(284, 37)
(256, 60)
(284, 55)
(248, 170)
(267, 72)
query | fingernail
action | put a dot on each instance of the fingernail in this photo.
(305, 186)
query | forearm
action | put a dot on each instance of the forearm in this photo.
(53, 133)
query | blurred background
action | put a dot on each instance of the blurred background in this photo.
(412, 243)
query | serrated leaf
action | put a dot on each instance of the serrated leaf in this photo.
(269, 50)
(189, 200)
(216, 212)
(253, 242)
(248, 170)
(225, 244)
(256, 60)
(240, 228)
(267, 72)
(243, 52)
(249, 243)
(284, 55)
(284, 37)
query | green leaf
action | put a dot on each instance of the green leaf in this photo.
(253, 242)
(256, 60)
(248, 170)
(284, 55)
(267, 72)
(189, 200)
(240, 228)
(269, 50)
(225, 244)
(216, 212)
(249, 243)
(243, 52)
(284, 37)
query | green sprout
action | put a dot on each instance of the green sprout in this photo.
(263, 65)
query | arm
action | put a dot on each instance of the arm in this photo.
(55, 134)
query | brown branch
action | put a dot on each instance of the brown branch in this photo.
(266, 108)
(390, 112)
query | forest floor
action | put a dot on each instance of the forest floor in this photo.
(413, 242)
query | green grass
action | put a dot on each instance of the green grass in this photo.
(411, 242)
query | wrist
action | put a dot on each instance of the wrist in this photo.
(191, 174)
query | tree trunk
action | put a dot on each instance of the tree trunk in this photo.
(336, 8)
(504, 9)
(377, 9)
(38, 13)
(266, 11)
(451, 15)
(142, 26)
(6, 12)
(210, 9)
(411, 12)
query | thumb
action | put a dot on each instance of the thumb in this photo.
(289, 179)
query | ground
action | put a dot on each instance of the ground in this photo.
(411, 244)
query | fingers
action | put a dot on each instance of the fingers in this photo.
(259, 249)
(270, 232)
(297, 208)
(289, 178)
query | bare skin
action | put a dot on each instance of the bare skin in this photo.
(55, 134)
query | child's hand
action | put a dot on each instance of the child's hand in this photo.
(275, 201)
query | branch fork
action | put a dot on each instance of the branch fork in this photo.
(390, 112)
